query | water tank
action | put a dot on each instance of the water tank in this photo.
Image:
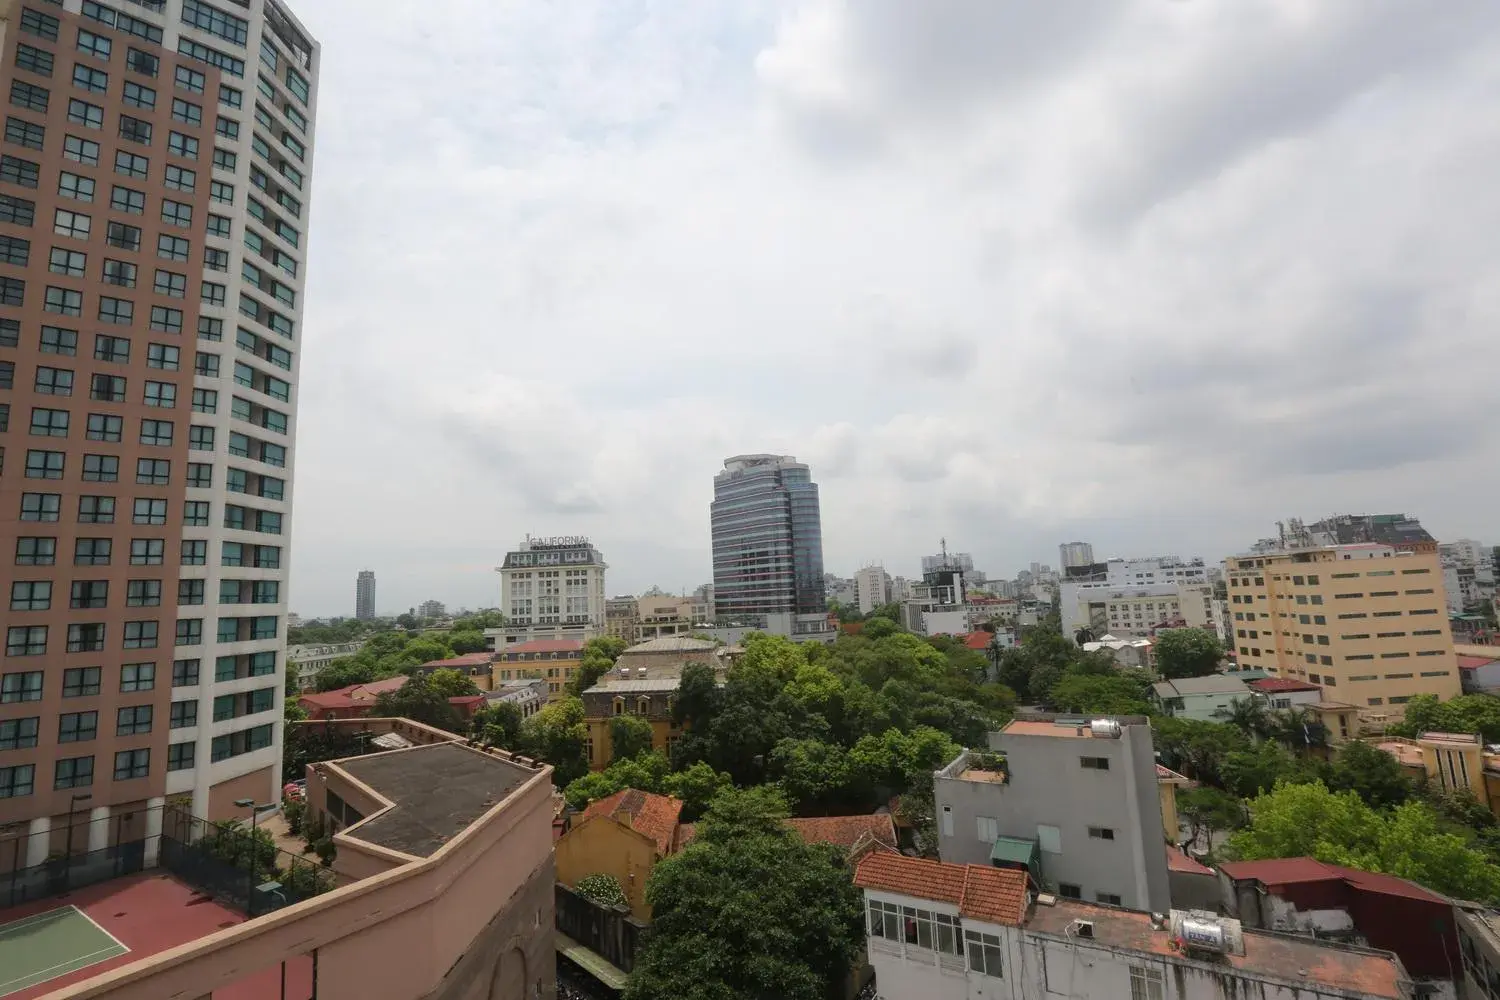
(1203, 934)
(1105, 729)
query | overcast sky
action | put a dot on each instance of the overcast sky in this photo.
(1150, 274)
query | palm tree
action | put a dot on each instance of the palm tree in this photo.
(1249, 715)
(1299, 728)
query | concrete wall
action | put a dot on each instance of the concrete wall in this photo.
(599, 845)
(256, 785)
(1048, 787)
(406, 934)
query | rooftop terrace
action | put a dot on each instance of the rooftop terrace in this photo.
(436, 792)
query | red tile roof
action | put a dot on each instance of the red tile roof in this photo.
(1164, 773)
(843, 831)
(354, 695)
(979, 640)
(1180, 861)
(547, 646)
(1288, 871)
(995, 895)
(840, 831)
(1475, 662)
(646, 812)
(454, 662)
(1267, 685)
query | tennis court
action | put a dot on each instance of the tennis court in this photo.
(46, 945)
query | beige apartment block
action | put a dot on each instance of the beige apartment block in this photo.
(1367, 623)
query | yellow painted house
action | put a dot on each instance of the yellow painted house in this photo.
(624, 835)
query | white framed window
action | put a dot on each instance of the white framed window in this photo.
(1147, 983)
(989, 829)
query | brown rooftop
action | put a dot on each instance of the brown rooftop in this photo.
(1277, 956)
(436, 792)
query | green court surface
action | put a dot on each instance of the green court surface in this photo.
(44, 946)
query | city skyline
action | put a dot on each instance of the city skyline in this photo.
(1056, 314)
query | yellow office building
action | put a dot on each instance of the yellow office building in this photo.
(1368, 623)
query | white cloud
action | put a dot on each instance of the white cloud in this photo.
(1156, 276)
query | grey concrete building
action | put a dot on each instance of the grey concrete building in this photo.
(1075, 802)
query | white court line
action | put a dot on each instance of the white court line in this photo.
(60, 969)
(106, 933)
(36, 918)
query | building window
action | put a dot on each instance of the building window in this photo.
(138, 677)
(73, 772)
(185, 673)
(77, 727)
(180, 756)
(134, 720)
(132, 764)
(25, 640)
(19, 734)
(1147, 983)
(988, 829)
(1069, 891)
(1101, 833)
(1110, 898)
(984, 953)
(80, 682)
(16, 781)
(1094, 763)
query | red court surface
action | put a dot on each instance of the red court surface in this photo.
(150, 913)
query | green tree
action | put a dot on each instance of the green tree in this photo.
(1196, 748)
(696, 786)
(1097, 695)
(1469, 713)
(425, 650)
(450, 683)
(556, 734)
(499, 724)
(748, 910)
(1257, 769)
(1187, 652)
(629, 735)
(599, 655)
(813, 774)
(1250, 717)
(1208, 809)
(419, 701)
(1336, 827)
(1372, 774)
(342, 672)
(468, 641)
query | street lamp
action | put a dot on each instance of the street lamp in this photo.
(72, 810)
(249, 804)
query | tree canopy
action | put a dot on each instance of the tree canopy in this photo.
(1187, 652)
(1469, 713)
(748, 910)
(1295, 820)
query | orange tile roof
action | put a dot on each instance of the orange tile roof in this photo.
(840, 831)
(1180, 861)
(843, 831)
(646, 812)
(453, 662)
(978, 640)
(546, 646)
(995, 895)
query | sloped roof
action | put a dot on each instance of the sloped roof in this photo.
(1165, 773)
(979, 640)
(994, 895)
(454, 662)
(843, 831)
(1270, 685)
(1210, 684)
(546, 646)
(840, 831)
(1180, 861)
(671, 644)
(354, 695)
(1475, 662)
(651, 814)
(1289, 871)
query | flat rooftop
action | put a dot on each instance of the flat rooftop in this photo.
(146, 914)
(976, 774)
(1290, 959)
(437, 791)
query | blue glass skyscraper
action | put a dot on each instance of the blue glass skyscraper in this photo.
(767, 538)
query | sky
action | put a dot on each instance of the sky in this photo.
(1152, 274)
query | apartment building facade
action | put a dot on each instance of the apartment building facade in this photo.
(1081, 799)
(551, 588)
(939, 931)
(1366, 622)
(153, 204)
(1135, 610)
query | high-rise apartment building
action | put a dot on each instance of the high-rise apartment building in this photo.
(767, 538)
(154, 180)
(433, 609)
(364, 595)
(872, 588)
(1366, 622)
(551, 588)
(1075, 554)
